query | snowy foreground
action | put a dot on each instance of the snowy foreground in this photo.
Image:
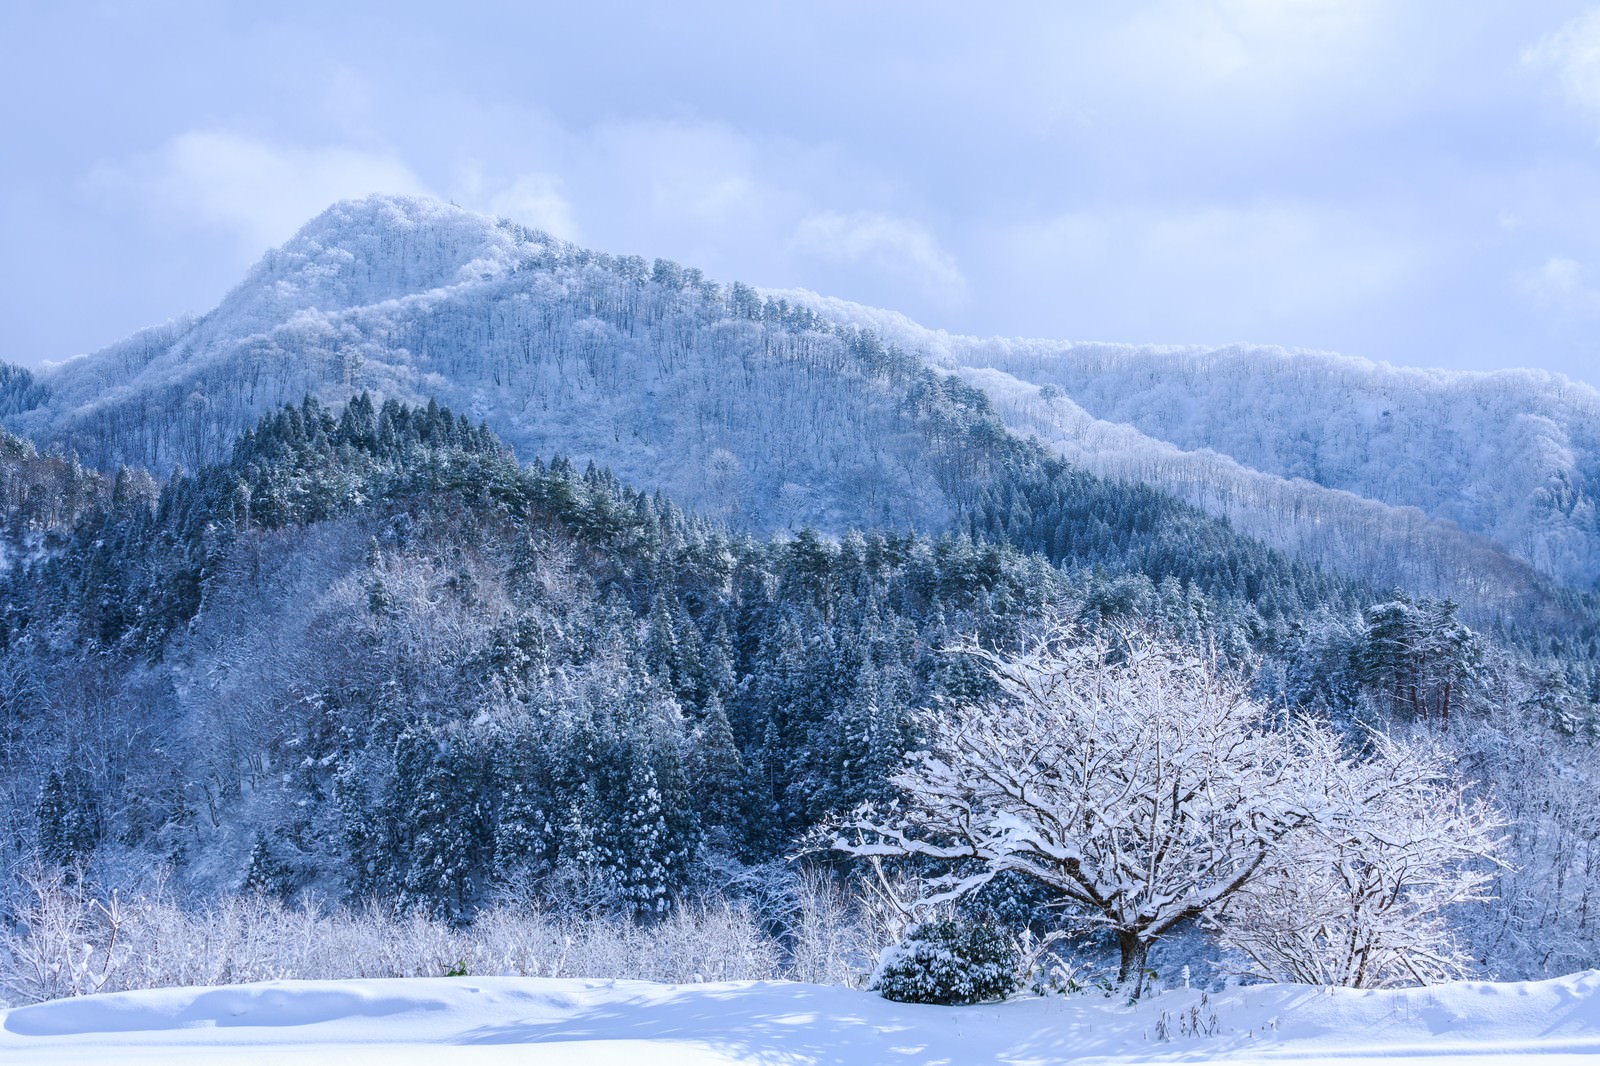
(598, 1023)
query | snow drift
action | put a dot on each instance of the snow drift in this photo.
(597, 1022)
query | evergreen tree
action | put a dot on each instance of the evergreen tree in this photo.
(66, 818)
(716, 773)
(265, 874)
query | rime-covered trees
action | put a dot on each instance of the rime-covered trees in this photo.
(67, 822)
(1510, 456)
(424, 674)
(1364, 896)
(1133, 780)
(1417, 656)
(1147, 789)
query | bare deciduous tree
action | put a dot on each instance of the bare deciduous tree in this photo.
(1363, 897)
(1135, 780)
(1149, 790)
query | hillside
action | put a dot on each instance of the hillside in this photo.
(1513, 455)
(1476, 486)
(768, 418)
(660, 578)
(373, 657)
(500, 614)
(781, 410)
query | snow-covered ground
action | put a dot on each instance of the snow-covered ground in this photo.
(598, 1023)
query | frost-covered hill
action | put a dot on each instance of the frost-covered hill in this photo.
(367, 655)
(764, 417)
(1513, 455)
(532, 1020)
(779, 409)
(1450, 482)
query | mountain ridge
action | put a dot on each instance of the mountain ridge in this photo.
(373, 651)
(748, 404)
(1160, 399)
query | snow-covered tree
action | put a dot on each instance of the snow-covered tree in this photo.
(1363, 898)
(1418, 656)
(1149, 789)
(66, 818)
(265, 873)
(1132, 778)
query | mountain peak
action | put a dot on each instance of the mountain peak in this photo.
(361, 252)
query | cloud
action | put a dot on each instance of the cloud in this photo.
(1572, 54)
(535, 200)
(684, 173)
(1208, 272)
(258, 192)
(881, 242)
(1256, 60)
(1562, 282)
(1243, 40)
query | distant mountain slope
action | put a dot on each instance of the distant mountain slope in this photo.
(749, 410)
(1513, 455)
(1312, 452)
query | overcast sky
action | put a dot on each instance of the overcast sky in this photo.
(1412, 182)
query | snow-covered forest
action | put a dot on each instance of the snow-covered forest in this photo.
(1478, 487)
(451, 575)
(1513, 456)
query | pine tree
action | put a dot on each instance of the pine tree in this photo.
(438, 803)
(66, 819)
(265, 874)
(525, 803)
(716, 772)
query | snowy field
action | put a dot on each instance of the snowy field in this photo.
(600, 1023)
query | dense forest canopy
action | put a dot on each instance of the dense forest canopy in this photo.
(371, 656)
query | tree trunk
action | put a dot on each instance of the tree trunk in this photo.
(1130, 972)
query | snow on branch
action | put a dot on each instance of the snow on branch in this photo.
(1149, 789)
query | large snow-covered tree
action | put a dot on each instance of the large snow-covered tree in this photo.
(1417, 656)
(1131, 777)
(1150, 789)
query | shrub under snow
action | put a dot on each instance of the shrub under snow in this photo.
(948, 961)
(69, 943)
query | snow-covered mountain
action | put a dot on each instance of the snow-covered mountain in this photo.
(749, 405)
(649, 369)
(1513, 456)
(1360, 465)
(368, 655)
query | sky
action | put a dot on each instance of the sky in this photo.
(1413, 182)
